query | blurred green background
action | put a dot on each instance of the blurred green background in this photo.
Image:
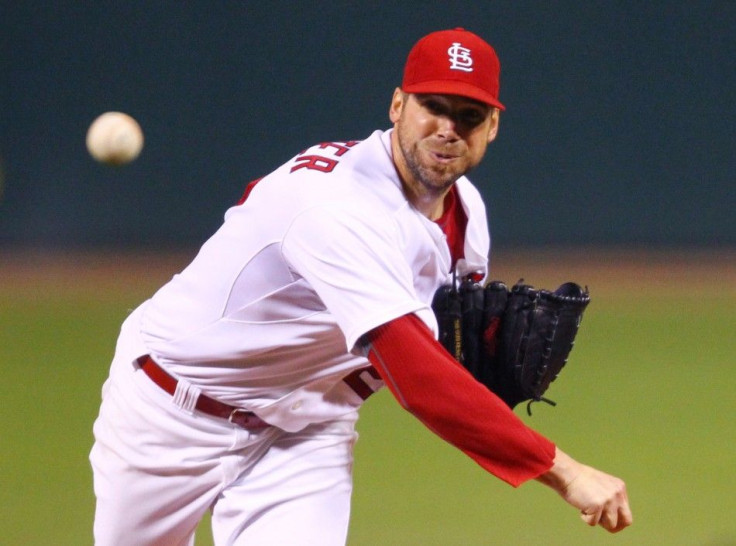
(647, 395)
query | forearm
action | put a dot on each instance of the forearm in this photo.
(437, 390)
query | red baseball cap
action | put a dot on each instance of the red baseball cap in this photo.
(453, 62)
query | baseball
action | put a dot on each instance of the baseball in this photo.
(114, 138)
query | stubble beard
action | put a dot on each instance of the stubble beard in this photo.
(434, 182)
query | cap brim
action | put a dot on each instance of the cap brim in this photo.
(462, 89)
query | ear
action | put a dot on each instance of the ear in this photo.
(493, 131)
(397, 105)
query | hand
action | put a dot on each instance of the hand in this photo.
(600, 497)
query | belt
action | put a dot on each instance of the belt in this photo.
(237, 416)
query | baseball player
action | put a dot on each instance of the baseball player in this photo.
(235, 388)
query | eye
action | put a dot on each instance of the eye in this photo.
(471, 116)
(434, 107)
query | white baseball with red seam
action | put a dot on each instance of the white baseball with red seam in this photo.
(114, 138)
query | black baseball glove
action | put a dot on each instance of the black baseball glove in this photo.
(514, 341)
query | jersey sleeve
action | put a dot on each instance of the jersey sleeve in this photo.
(355, 264)
(445, 397)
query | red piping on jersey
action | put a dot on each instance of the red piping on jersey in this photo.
(248, 189)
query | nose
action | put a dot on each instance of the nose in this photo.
(447, 127)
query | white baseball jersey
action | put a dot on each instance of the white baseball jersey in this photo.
(269, 314)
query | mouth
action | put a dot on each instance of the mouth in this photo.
(441, 157)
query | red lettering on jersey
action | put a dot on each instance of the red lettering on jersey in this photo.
(315, 162)
(248, 189)
(322, 163)
(312, 162)
(340, 147)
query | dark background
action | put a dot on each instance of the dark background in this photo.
(619, 127)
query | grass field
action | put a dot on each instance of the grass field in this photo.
(648, 395)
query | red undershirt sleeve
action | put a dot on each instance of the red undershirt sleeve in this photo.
(445, 397)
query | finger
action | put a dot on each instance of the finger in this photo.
(622, 514)
(625, 517)
(609, 520)
(591, 519)
(617, 520)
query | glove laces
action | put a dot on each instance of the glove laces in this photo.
(541, 399)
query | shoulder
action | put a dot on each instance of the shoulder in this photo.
(332, 156)
(357, 171)
(340, 219)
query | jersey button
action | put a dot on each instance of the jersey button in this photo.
(296, 405)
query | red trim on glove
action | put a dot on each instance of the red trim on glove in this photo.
(445, 397)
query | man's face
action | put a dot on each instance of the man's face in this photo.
(440, 137)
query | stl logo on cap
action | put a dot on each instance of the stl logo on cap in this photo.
(453, 62)
(460, 58)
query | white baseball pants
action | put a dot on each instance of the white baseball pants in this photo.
(157, 469)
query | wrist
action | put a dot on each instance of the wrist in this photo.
(563, 472)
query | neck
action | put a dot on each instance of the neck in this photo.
(429, 203)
